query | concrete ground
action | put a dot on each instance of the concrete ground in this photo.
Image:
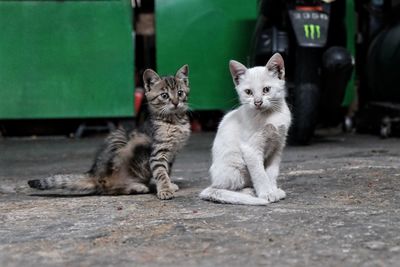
(342, 209)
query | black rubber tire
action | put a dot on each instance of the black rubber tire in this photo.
(306, 100)
(305, 96)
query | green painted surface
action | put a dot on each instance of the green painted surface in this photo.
(205, 34)
(65, 59)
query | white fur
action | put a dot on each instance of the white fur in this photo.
(240, 146)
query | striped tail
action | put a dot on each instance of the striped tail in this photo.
(72, 182)
(231, 197)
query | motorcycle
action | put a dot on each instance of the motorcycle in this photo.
(310, 35)
(378, 58)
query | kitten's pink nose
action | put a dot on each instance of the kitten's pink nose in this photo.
(175, 103)
(258, 103)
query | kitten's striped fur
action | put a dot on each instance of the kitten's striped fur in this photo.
(127, 161)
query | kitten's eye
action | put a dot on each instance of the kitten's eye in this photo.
(180, 93)
(248, 92)
(164, 95)
(266, 89)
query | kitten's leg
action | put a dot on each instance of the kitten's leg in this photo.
(136, 188)
(175, 187)
(159, 166)
(272, 171)
(264, 185)
(122, 183)
(226, 176)
(130, 174)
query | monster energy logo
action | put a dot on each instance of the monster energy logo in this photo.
(312, 31)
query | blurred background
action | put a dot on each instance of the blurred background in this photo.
(74, 67)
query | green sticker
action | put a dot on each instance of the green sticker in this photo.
(312, 31)
(306, 30)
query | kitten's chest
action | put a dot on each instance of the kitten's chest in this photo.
(274, 138)
(264, 131)
(266, 137)
(176, 135)
(180, 134)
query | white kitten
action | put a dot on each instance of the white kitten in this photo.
(248, 146)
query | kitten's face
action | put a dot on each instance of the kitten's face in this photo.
(167, 95)
(261, 88)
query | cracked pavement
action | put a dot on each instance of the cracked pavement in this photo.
(342, 209)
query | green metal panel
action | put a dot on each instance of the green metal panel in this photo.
(205, 34)
(65, 59)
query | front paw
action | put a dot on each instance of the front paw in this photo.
(174, 187)
(165, 194)
(273, 195)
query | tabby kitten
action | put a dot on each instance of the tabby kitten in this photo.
(128, 160)
(248, 147)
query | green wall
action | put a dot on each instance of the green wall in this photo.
(205, 34)
(66, 59)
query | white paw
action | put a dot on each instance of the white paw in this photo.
(137, 188)
(141, 188)
(174, 187)
(165, 194)
(273, 195)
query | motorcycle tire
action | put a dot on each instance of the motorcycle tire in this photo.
(305, 96)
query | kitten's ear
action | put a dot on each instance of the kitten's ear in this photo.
(149, 78)
(276, 66)
(237, 70)
(183, 74)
